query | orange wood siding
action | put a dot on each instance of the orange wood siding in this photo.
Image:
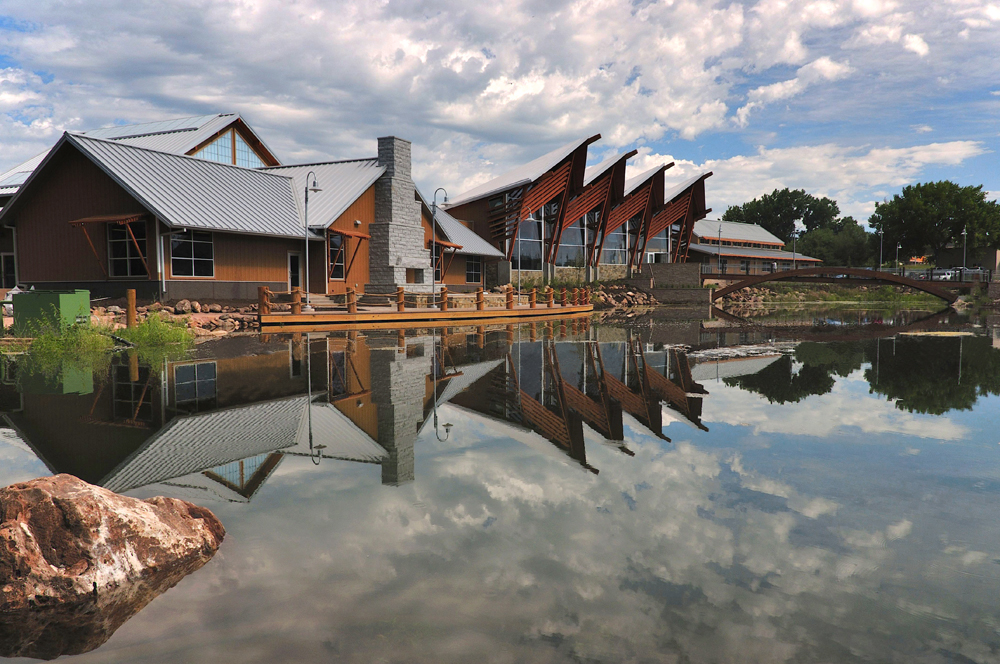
(456, 273)
(356, 250)
(359, 409)
(251, 378)
(72, 187)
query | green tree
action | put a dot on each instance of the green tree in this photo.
(929, 216)
(779, 211)
(843, 242)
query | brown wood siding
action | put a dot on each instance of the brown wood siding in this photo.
(361, 410)
(249, 258)
(356, 251)
(456, 272)
(71, 187)
(249, 379)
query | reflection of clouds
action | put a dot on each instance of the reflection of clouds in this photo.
(848, 404)
(17, 462)
(497, 553)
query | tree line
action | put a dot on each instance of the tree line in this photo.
(923, 218)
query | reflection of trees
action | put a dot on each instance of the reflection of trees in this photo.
(926, 375)
(778, 383)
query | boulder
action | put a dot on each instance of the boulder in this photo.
(196, 307)
(77, 561)
(156, 306)
(114, 309)
(183, 307)
(215, 308)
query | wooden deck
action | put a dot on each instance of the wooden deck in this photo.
(390, 317)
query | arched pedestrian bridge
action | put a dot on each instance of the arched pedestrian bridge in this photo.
(849, 275)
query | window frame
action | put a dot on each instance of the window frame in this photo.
(197, 401)
(341, 255)
(479, 262)
(191, 259)
(129, 248)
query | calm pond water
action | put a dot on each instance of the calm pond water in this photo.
(683, 491)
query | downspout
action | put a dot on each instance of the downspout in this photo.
(17, 263)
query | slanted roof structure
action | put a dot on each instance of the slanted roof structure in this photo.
(603, 188)
(683, 206)
(185, 192)
(342, 182)
(749, 252)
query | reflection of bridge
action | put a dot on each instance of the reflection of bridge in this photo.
(841, 275)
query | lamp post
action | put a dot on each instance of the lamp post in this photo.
(720, 250)
(964, 247)
(434, 258)
(434, 397)
(899, 245)
(880, 250)
(315, 189)
(795, 236)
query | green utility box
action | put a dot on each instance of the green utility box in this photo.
(69, 380)
(37, 309)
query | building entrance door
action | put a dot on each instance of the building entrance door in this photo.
(294, 270)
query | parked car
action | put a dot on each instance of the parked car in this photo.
(942, 274)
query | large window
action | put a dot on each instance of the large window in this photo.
(614, 247)
(194, 386)
(192, 254)
(656, 248)
(126, 258)
(338, 251)
(528, 246)
(221, 149)
(473, 269)
(573, 246)
(132, 401)
(438, 261)
(245, 156)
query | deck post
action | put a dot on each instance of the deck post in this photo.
(533, 332)
(296, 301)
(510, 334)
(576, 297)
(480, 300)
(533, 298)
(444, 298)
(401, 341)
(130, 307)
(263, 301)
(586, 295)
(400, 299)
(352, 301)
(510, 297)
(564, 297)
(551, 296)
(481, 334)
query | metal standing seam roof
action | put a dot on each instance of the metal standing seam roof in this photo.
(339, 437)
(342, 183)
(458, 233)
(734, 230)
(519, 176)
(186, 192)
(730, 368)
(749, 252)
(26, 167)
(471, 373)
(194, 443)
(632, 184)
(672, 192)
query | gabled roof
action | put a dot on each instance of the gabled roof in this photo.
(178, 136)
(342, 183)
(734, 230)
(11, 180)
(335, 436)
(185, 192)
(521, 175)
(597, 170)
(751, 252)
(673, 192)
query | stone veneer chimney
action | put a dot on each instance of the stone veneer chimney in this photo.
(397, 236)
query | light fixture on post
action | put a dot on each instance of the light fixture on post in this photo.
(719, 256)
(899, 245)
(964, 247)
(880, 249)
(434, 259)
(315, 189)
(795, 236)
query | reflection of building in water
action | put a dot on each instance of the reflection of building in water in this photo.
(718, 368)
(219, 424)
(553, 389)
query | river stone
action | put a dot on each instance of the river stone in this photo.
(183, 307)
(77, 561)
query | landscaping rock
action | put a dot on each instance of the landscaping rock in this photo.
(156, 306)
(215, 308)
(114, 309)
(168, 310)
(183, 307)
(196, 307)
(77, 561)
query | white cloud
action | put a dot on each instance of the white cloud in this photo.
(819, 70)
(916, 44)
(922, 129)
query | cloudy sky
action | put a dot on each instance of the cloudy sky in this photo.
(851, 99)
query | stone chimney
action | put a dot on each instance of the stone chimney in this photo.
(397, 236)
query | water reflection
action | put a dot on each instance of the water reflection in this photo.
(216, 426)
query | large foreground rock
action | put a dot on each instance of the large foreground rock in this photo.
(77, 561)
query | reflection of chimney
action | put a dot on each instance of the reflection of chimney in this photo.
(398, 387)
(397, 236)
